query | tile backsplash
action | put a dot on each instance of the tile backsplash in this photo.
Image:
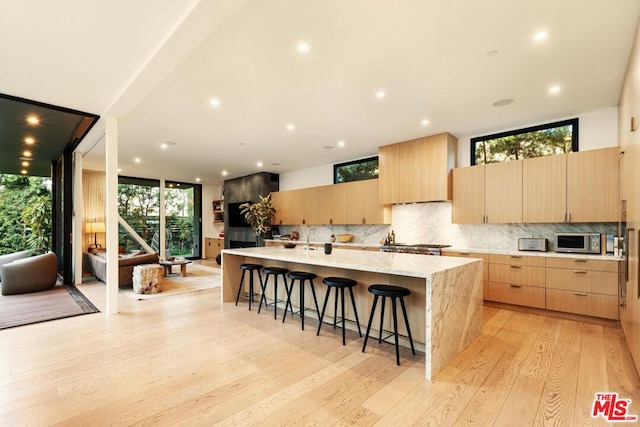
(431, 223)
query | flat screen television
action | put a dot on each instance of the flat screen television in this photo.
(236, 219)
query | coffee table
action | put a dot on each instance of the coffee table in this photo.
(169, 264)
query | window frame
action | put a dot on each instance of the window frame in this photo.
(569, 122)
(336, 166)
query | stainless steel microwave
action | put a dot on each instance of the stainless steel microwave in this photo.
(585, 243)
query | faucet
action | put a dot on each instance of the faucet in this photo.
(309, 236)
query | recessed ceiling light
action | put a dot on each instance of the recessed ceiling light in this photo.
(424, 122)
(137, 160)
(502, 102)
(33, 120)
(197, 179)
(164, 145)
(178, 185)
(554, 89)
(119, 170)
(540, 35)
(290, 127)
(259, 164)
(303, 47)
(26, 153)
(29, 140)
(24, 171)
(341, 144)
(215, 102)
(224, 173)
(25, 163)
(380, 94)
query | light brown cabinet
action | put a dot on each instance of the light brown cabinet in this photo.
(213, 246)
(592, 185)
(587, 287)
(544, 189)
(417, 170)
(574, 187)
(347, 203)
(488, 193)
(468, 195)
(515, 279)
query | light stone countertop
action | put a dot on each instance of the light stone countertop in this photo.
(317, 243)
(535, 253)
(412, 265)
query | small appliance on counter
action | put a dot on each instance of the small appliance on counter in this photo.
(539, 244)
(585, 243)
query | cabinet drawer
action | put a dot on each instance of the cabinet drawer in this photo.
(533, 261)
(517, 274)
(529, 296)
(584, 303)
(583, 264)
(599, 282)
(463, 254)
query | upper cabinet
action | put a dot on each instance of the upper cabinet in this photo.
(347, 203)
(488, 193)
(592, 185)
(417, 170)
(574, 187)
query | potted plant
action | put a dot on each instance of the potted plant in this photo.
(259, 216)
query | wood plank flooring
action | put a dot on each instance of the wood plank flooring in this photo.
(189, 360)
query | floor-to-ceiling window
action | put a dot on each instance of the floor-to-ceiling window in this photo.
(183, 219)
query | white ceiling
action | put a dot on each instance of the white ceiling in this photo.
(156, 65)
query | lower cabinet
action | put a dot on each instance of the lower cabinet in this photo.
(213, 246)
(582, 286)
(515, 279)
(588, 287)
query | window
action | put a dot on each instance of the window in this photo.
(544, 140)
(357, 170)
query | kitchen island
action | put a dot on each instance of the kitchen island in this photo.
(444, 308)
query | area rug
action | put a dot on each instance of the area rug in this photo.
(199, 278)
(58, 303)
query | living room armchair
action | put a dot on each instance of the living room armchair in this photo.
(33, 274)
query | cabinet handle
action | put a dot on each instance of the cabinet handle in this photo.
(364, 220)
(516, 256)
(580, 260)
(580, 271)
(580, 294)
(465, 253)
(516, 286)
(331, 221)
(304, 221)
(516, 266)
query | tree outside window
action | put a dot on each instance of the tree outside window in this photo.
(544, 140)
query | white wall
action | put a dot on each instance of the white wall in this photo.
(597, 129)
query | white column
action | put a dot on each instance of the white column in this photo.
(161, 231)
(77, 218)
(111, 205)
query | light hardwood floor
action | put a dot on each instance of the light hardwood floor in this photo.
(190, 360)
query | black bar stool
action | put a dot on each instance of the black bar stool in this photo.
(250, 268)
(301, 276)
(393, 292)
(275, 272)
(339, 284)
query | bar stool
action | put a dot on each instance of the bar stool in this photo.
(275, 272)
(392, 292)
(301, 276)
(339, 284)
(250, 268)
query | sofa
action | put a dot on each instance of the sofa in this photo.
(33, 274)
(7, 258)
(96, 264)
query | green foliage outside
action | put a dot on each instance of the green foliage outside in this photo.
(25, 213)
(139, 206)
(525, 146)
(357, 171)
